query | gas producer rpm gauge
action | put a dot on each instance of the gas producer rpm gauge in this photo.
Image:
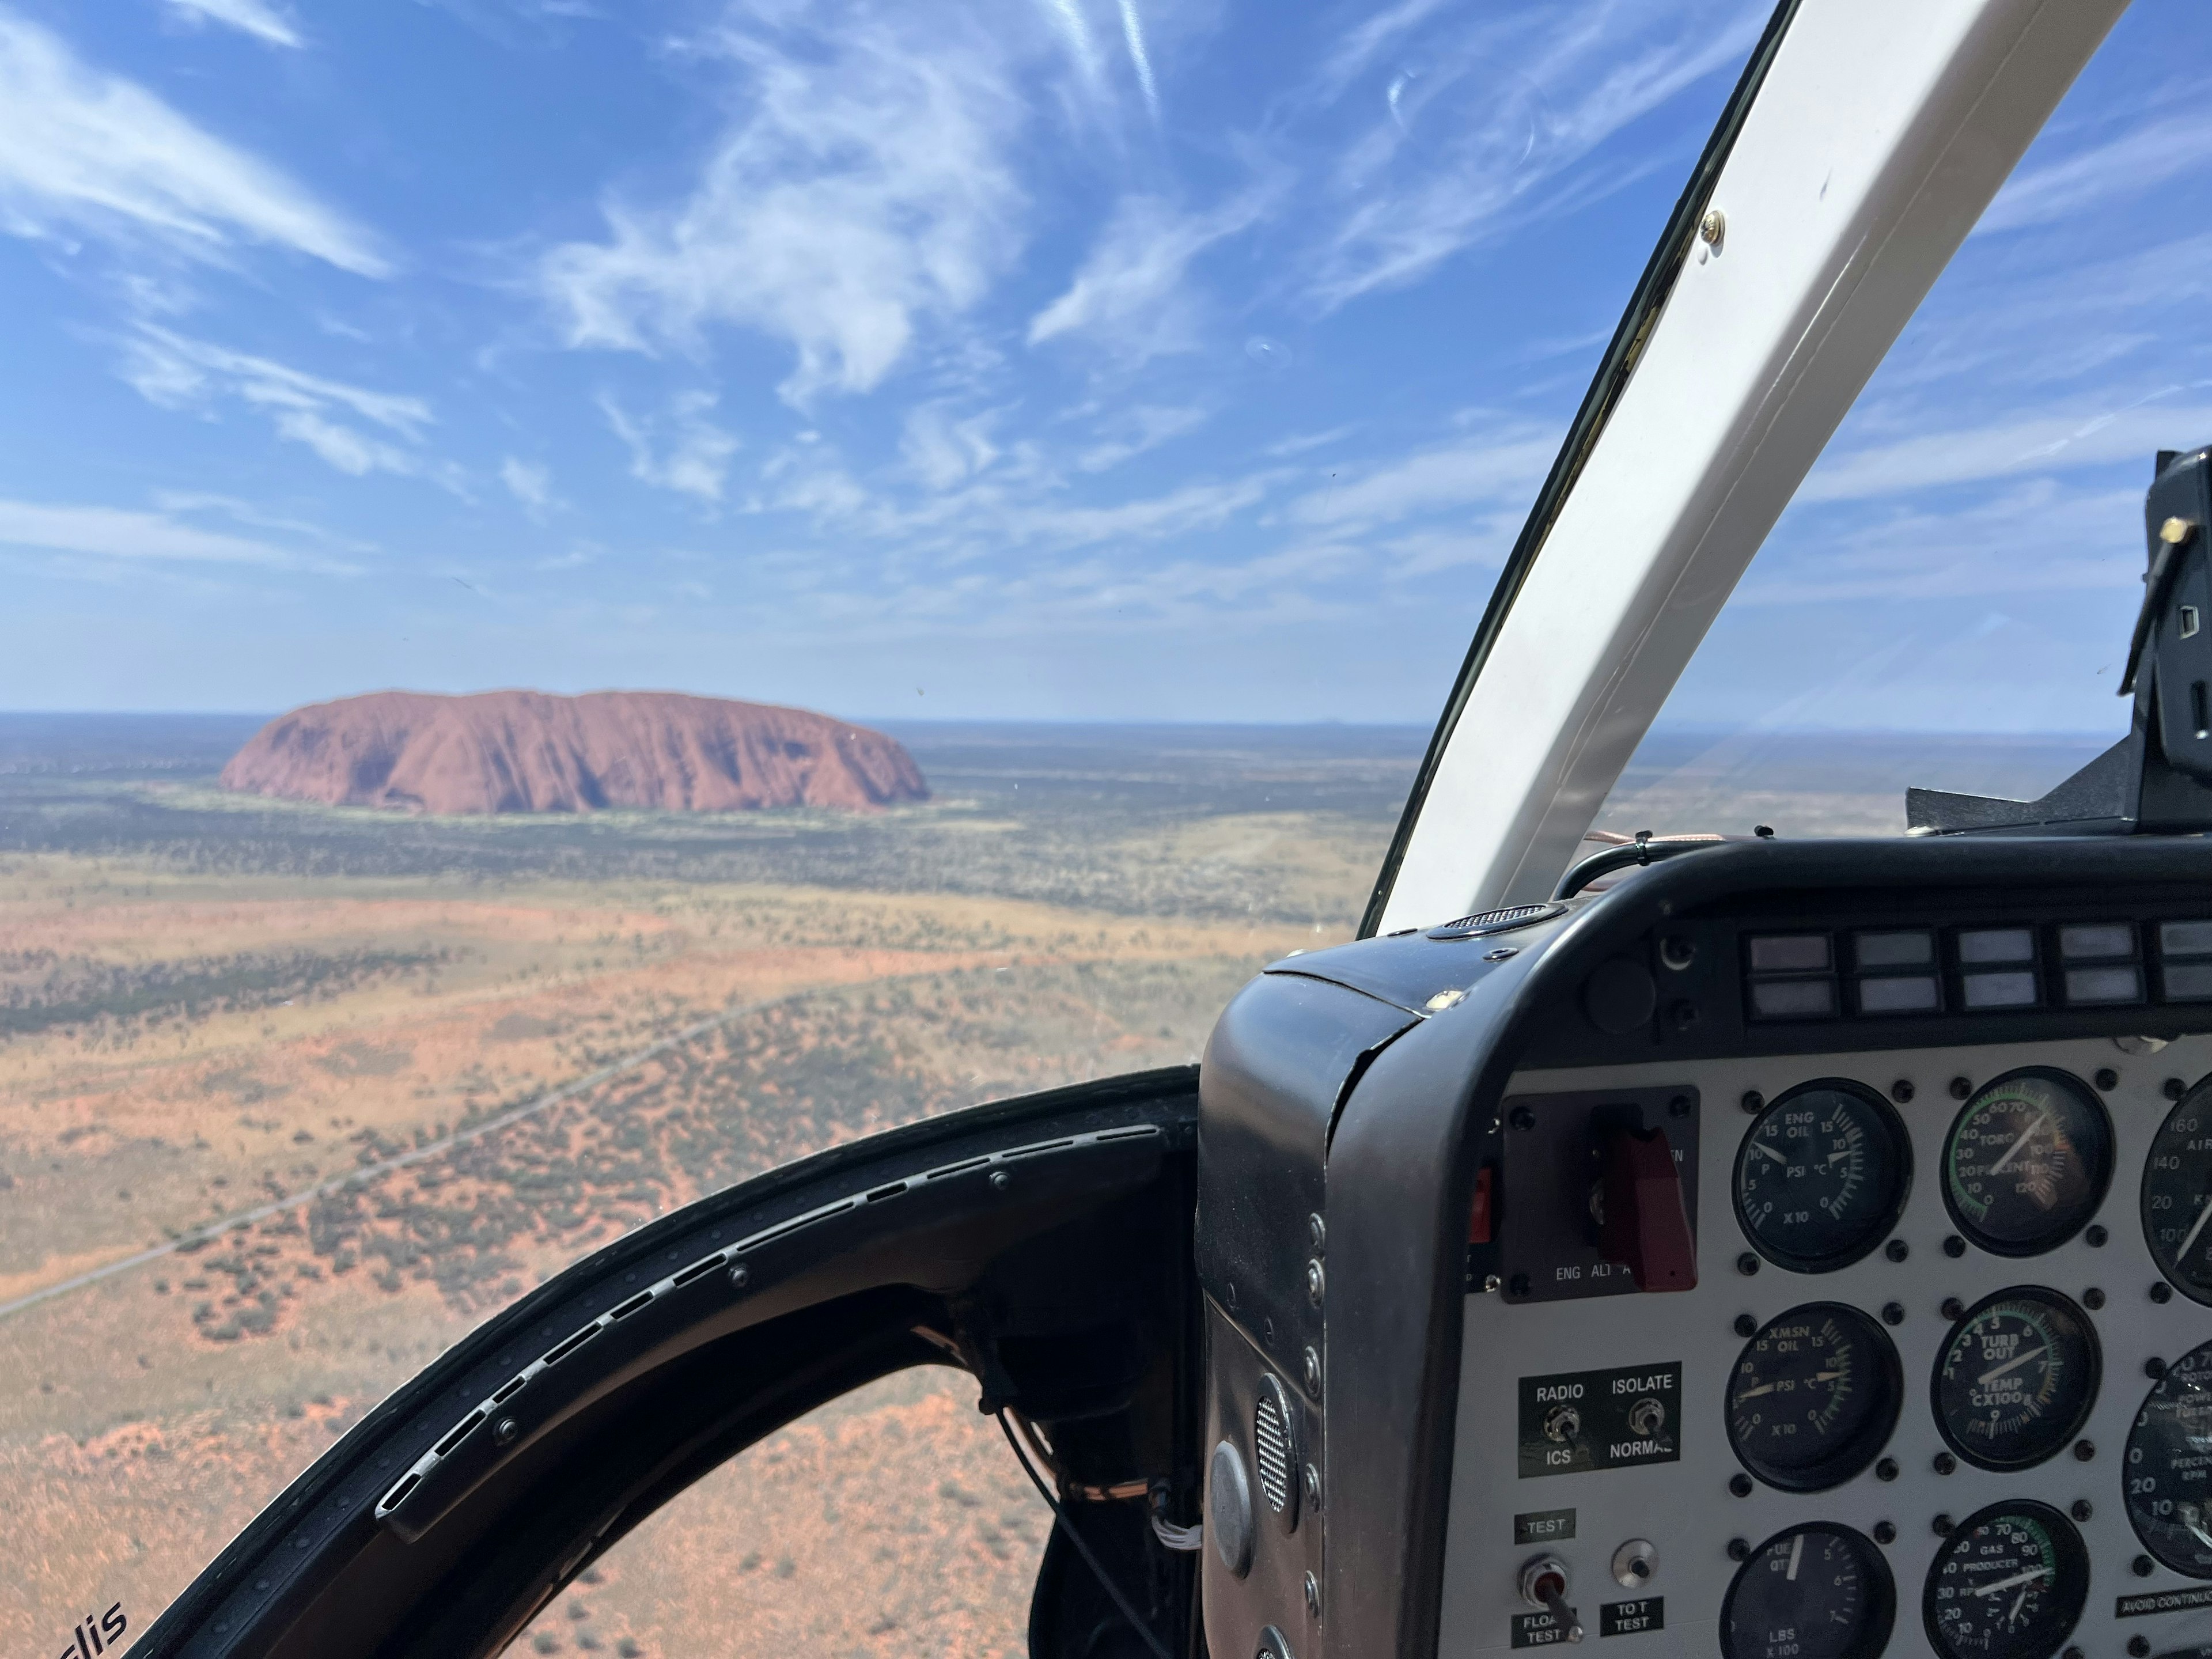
(1821, 1176)
(2027, 1162)
(2009, 1583)
(2016, 1378)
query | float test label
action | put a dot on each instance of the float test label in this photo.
(1578, 1421)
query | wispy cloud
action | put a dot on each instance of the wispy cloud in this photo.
(942, 451)
(682, 451)
(1494, 120)
(1502, 464)
(2028, 443)
(128, 534)
(2129, 165)
(173, 372)
(865, 191)
(1130, 290)
(1146, 426)
(530, 483)
(1132, 34)
(87, 153)
(255, 17)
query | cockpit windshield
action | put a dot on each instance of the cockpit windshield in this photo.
(1946, 604)
(600, 599)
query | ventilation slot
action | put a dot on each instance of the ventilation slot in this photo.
(509, 1388)
(1496, 921)
(696, 1270)
(1041, 1147)
(576, 1341)
(460, 1432)
(958, 1169)
(631, 1306)
(398, 1494)
(1137, 1133)
(1271, 1452)
(891, 1191)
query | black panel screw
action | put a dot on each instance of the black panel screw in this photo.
(504, 1429)
(1312, 1598)
(2084, 1451)
(1885, 1469)
(1901, 1092)
(2093, 1298)
(1960, 1088)
(1954, 1247)
(2108, 1079)
(2138, 1647)
(1753, 1100)
(1952, 1308)
(1313, 1486)
(1897, 1249)
(1317, 1232)
(1678, 1106)
(1316, 1283)
(1892, 1313)
(1740, 1484)
(998, 1180)
(1746, 1325)
(2096, 1238)
(2154, 1368)
(1885, 1531)
(2161, 1292)
(2083, 1509)
(2175, 1088)
(1942, 1523)
(1522, 1118)
(1946, 1464)
(1746, 1264)
(1739, 1549)
(2143, 1566)
(740, 1276)
(1313, 1373)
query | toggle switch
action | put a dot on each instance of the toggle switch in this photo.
(1544, 1585)
(1645, 1225)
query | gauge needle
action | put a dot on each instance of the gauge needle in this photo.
(1796, 1549)
(1761, 1147)
(2013, 1151)
(1769, 1387)
(2027, 1577)
(1995, 1371)
(2203, 1214)
(2012, 1617)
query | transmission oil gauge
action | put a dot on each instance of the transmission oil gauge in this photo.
(1814, 1396)
(1821, 1176)
(2177, 1195)
(2169, 1466)
(1820, 1591)
(2016, 1379)
(2008, 1583)
(2027, 1164)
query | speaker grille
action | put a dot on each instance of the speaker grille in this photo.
(1271, 1452)
(1496, 921)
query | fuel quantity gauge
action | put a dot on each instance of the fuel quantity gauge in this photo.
(1822, 1175)
(2009, 1583)
(2027, 1162)
(1820, 1591)
(2016, 1378)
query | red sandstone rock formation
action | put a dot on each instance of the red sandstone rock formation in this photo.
(524, 751)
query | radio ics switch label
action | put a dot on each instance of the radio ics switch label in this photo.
(1579, 1421)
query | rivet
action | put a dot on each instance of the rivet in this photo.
(1960, 1088)
(505, 1430)
(2097, 1237)
(1885, 1531)
(1746, 1264)
(2083, 1509)
(2175, 1088)
(1313, 1373)
(999, 1180)
(1892, 1313)
(1942, 1525)
(1740, 1484)
(1885, 1469)
(2174, 532)
(2154, 1368)
(1952, 1308)
(2108, 1079)
(2093, 1298)
(2084, 1451)
(1739, 1550)
(1746, 1325)
(1753, 1100)
(1312, 1598)
(1945, 1464)
(1712, 231)
(2143, 1566)
(740, 1276)
(2161, 1292)
(1954, 1247)
(1897, 1249)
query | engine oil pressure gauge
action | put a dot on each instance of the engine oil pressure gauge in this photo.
(2016, 1378)
(1822, 1175)
(2027, 1162)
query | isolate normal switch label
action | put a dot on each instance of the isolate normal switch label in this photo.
(1578, 1421)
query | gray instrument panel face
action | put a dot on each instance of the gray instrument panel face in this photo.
(1683, 1503)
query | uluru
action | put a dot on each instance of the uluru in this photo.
(530, 751)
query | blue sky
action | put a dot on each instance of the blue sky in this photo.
(1039, 358)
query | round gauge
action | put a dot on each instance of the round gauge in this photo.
(2008, 1583)
(1814, 1397)
(1814, 1592)
(2177, 1195)
(2028, 1162)
(2016, 1379)
(1822, 1175)
(2169, 1466)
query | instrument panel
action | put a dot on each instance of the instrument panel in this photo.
(1943, 1386)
